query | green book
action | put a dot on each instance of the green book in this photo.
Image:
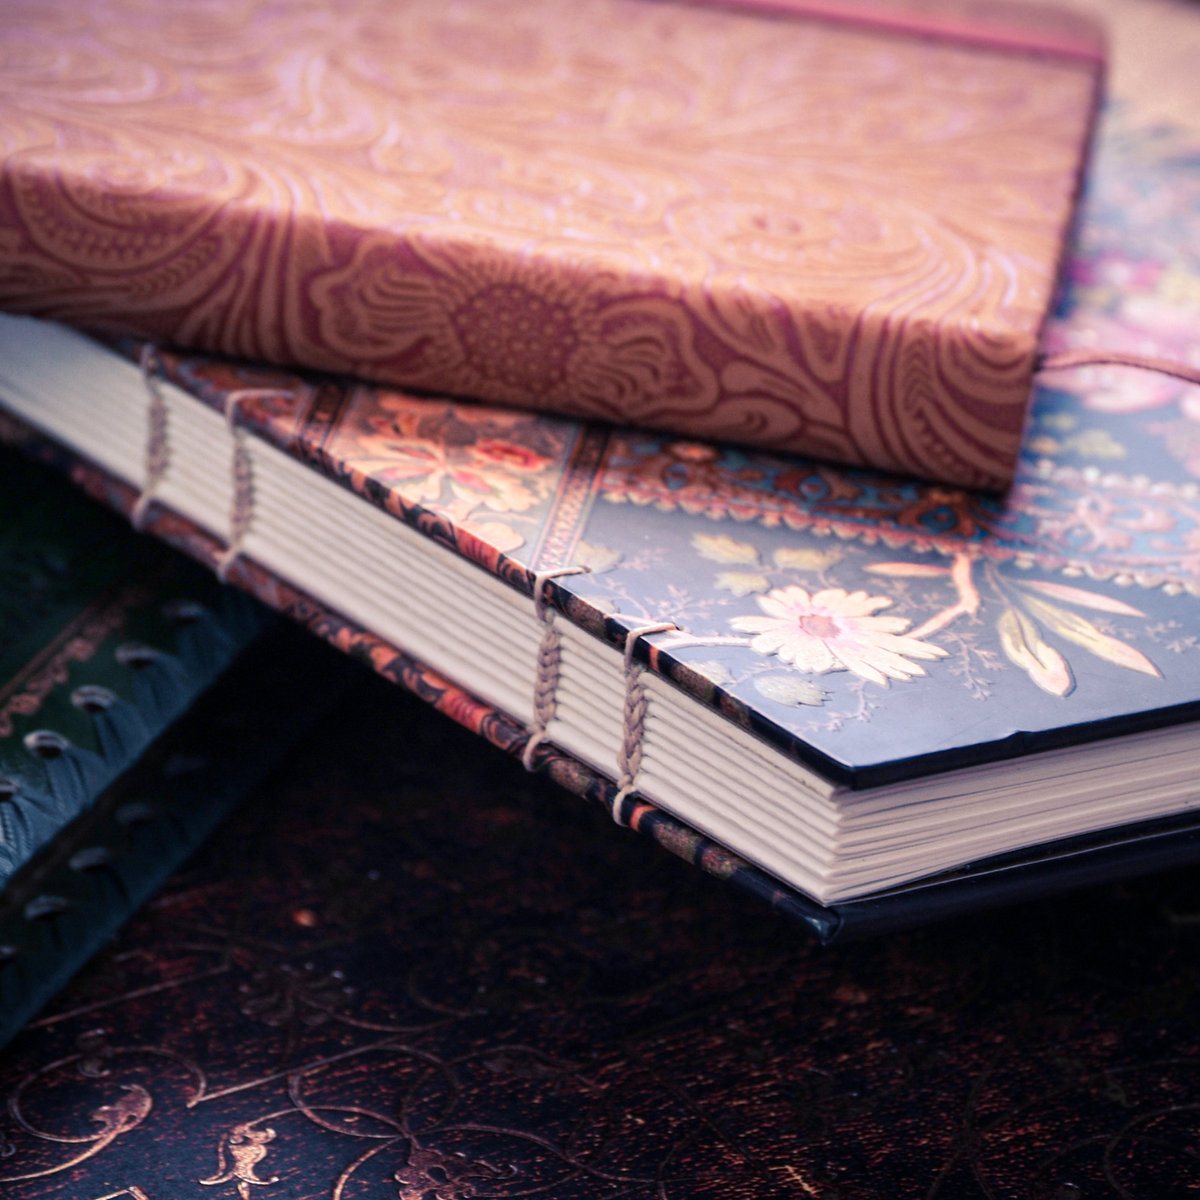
(110, 771)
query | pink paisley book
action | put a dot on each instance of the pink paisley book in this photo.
(830, 227)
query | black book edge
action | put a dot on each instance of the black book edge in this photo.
(1034, 873)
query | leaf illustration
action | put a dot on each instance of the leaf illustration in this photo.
(907, 570)
(720, 547)
(787, 559)
(1024, 646)
(1083, 633)
(597, 558)
(790, 690)
(742, 583)
(1071, 595)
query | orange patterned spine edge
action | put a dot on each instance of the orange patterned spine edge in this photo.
(728, 221)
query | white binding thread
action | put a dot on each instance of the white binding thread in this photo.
(158, 453)
(545, 684)
(241, 510)
(629, 762)
(158, 456)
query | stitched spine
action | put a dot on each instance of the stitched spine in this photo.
(545, 685)
(241, 512)
(158, 454)
(629, 762)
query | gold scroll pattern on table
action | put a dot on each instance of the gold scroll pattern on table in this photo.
(780, 232)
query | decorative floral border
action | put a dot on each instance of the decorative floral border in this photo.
(1080, 521)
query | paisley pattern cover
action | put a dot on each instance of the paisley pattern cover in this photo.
(754, 223)
(873, 626)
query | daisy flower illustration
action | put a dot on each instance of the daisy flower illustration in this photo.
(835, 630)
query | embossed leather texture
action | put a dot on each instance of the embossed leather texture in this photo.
(408, 970)
(795, 233)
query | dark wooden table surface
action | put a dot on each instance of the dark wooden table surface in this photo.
(408, 969)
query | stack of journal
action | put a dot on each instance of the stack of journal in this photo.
(868, 699)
